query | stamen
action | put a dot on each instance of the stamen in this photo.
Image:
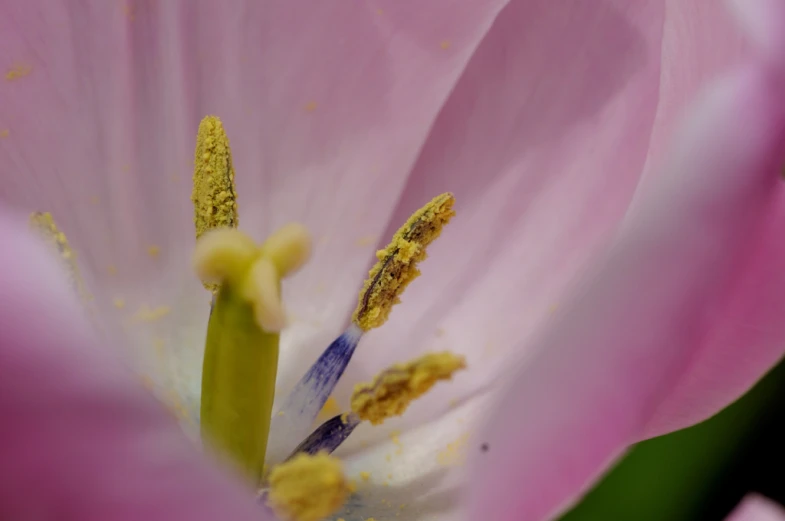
(387, 279)
(214, 194)
(307, 398)
(397, 265)
(308, 488)
(394, 389)
(389, 395)
(329, 435)
(43, 223)
(241, 348)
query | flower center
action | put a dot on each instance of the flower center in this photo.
(242, 340)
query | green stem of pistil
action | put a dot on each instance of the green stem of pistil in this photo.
(238, 383)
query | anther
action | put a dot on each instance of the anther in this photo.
(394, 389)
(43, 223)
(214, 194)
(308, 488)
(397, 265)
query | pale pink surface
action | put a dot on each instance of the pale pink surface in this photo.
(756, 508)
(679, 283)
(763, 21)
(542, 127)
(80, 440)
(326, 105)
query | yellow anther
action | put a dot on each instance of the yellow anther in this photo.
(288, 248)
(214, 194)
(397, 265)
(44, 224)
(308, 488)
(394, 389)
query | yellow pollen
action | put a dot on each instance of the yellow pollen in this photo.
(148, 314)
(153, 250)
(19, 70)
(214, 194)
(44, 224)
(308, 488)
(365, 475)
(397, 265)
(394, 389)
(4, 133)
(118, 303)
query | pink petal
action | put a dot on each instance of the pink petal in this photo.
(326, 106)
(755, 508)
(79, 439)
(543, 142)
(693, 53)
(763, 20)
(647, 309)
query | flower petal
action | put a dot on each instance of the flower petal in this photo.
(692, 55)
(763, 20)
(80, 439)
(414, 475)
(326, 107)
(756, 508)
(647, 309)
(542, 142)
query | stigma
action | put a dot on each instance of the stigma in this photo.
(308, 487)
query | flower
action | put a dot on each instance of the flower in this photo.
(755, 508)
(350, 114)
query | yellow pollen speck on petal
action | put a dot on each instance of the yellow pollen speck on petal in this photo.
(111, 269)
(308, 488)
(214, 194)
(4, 133)
(118, 303)
(148, 314)
(310, 106)
(445, 44)
(454, 453)
(394, 389)
(397, 265)
(43, 223)
(366, 476)
(365, 240)
(153, 250)
(19, 70)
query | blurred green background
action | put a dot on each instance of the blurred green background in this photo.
(699, 473)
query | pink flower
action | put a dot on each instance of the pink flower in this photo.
(545, 121)
(756, 508)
